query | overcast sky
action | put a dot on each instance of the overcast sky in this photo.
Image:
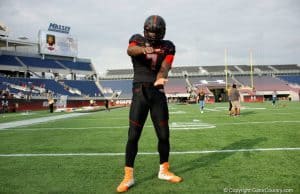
(200, 29)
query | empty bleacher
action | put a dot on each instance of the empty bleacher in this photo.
(287, 67)
(211, 80)
(263, 68)
(82, 66)
(245, 68)
(232, 69)
(48, 84)
(187, 69)
(214, 69)
(86, 87)
(36, 63)
(9, 60)
(264, 83)
(293, 79)
(40, 63)
(122, 85)
(175, 85)
(119, 72)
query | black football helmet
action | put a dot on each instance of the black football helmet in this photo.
(154, 28)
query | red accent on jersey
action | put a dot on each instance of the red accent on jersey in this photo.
(169, 59)
(132, 44)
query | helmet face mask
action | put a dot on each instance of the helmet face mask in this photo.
(154, 28)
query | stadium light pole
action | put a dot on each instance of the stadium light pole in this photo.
(226, 68)
(251, 68)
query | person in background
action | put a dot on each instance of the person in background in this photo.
(201, 99)
(274, 97)
(229, 101)
(106, 103)
(50, 102)
(235, 100)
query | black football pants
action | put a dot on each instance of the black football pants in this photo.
(147, 98)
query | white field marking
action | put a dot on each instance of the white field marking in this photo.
(17, 115)
(222, 107)
(226, 108)
(195, 125)
(284, 113)
(5, 126)
(177, 112)
(211, 109)
(257, 122)
(151, 153)
(71, 128)
(103, 119)
(250, 108)
(174, 127)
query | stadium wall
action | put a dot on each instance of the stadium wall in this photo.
(19, 105)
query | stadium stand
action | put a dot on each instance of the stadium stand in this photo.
(40, 63)
(263, 68)
(82, 66)
(233, 69)
(293, 79)
(38, 74)
(125, 86)
(214, 69)
(264, 83)
(287, 67)
(32, 83)
(86, 87)
(212, 80)
(119, 72)
(176, 85)
(244, 68)
(9, 60)
(187, 69)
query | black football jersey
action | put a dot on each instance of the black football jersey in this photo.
(146, 67)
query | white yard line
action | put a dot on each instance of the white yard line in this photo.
(13, 124)
(150, 153)
(257, 122)
(178, 127)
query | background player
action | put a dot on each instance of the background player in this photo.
(235, 101)
(201, 99)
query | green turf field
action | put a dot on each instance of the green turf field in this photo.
(243, 158)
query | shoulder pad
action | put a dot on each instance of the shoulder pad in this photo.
(169, 47)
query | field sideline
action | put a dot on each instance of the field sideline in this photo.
(214, 153)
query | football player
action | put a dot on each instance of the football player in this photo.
(152, 59)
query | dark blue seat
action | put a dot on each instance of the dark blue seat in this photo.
(124, 85)
(9, 60)
(41, 63)
(83, 66)
(295, 79)
(86, 87)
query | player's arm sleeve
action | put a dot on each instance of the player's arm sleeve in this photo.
(136, 45)
(167, 62)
